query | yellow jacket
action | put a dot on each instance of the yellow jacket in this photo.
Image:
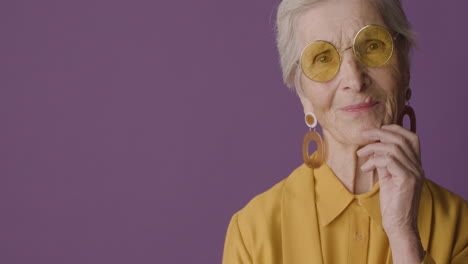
(281, 225)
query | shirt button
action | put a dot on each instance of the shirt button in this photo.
(359, 236)
(359, 202)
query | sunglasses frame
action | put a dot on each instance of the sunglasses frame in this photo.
(340, 52)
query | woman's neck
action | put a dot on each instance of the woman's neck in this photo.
(345, 163)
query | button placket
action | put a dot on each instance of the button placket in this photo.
(359, 234)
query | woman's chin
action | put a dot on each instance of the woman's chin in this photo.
(356, 136)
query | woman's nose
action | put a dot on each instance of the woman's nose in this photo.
(353, 74)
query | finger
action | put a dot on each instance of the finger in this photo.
(394, 166)
(383, 174)
(411, 137)
(397, 154)
(381, 149)
(384, 149)
(388, 136)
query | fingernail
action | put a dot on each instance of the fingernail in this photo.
(362, 153)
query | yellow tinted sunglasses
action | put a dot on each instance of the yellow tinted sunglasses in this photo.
(372, 46)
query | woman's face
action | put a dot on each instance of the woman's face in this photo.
(338, 22)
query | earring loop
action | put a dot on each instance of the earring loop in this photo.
(408, 93)
(408, 110)
(316, 160)
(310, 120)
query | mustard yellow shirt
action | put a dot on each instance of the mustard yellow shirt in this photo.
(310, 217)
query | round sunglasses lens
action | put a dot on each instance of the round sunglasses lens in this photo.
(320, 61)
(373, 46)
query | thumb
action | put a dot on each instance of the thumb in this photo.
(383, 174)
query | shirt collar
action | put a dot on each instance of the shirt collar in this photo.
(300, 222)
(333, 197)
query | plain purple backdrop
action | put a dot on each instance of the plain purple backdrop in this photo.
(133, 130)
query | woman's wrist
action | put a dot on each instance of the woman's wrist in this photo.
(406, 246)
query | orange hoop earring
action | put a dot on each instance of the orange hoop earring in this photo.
(408, 110)
(316, 161)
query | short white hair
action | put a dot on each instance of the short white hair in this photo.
(287, 42)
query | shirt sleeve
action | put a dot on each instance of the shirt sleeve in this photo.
(235, 251)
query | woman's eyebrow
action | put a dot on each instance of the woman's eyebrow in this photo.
(328, 39)
(335, 39)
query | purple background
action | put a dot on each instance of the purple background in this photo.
(133, 130)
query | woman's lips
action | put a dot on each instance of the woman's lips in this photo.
(362, 107)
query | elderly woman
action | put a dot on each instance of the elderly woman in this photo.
(362, 196)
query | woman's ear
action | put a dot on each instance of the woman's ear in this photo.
(306, 104)
(406, 78)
